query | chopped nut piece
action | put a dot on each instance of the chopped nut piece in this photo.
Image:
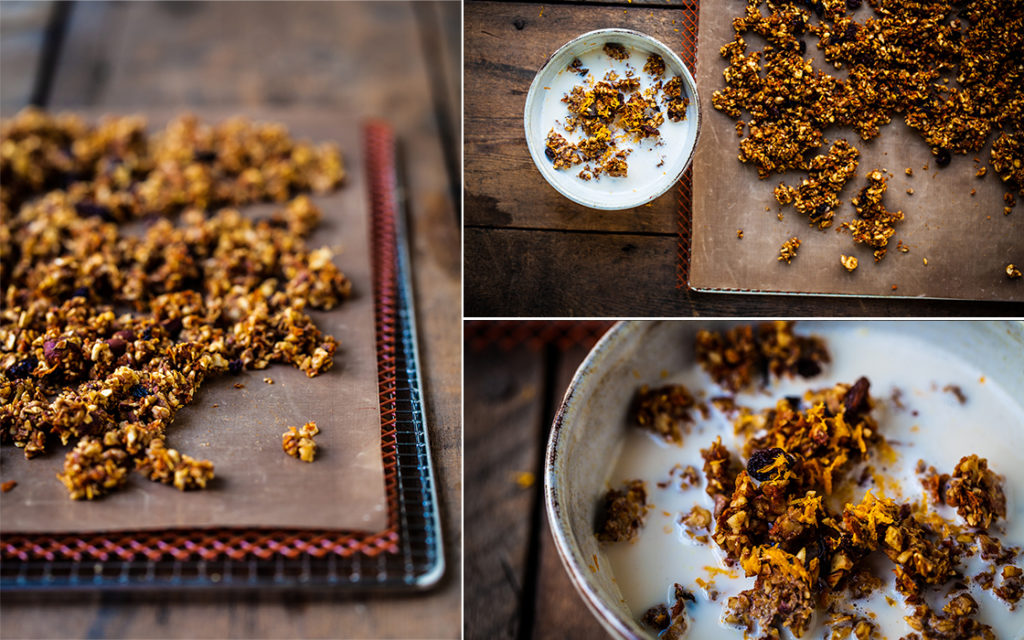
(849, 262)
(299, 443)
(7, 486)
(1012, 272)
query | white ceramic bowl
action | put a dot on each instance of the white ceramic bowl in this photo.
(543, 102)
(590, 426)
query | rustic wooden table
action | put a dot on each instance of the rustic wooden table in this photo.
(531, 252)
(515, 376)
(399, 62)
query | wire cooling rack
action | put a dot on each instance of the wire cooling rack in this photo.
(406, 555)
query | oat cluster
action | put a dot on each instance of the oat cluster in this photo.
(611, 111)
(108, 327)
(950, 69)
(781, 514)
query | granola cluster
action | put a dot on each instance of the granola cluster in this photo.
(733, 357)
(623, 512)
(874, 224)
(299, 443)
(950, 68)
(664, 411)
(613, 110)
(108, 329)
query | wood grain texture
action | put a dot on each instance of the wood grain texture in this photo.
(22, 34)
(551, 273)
(504, 414)
(248, 56)
(506, 44)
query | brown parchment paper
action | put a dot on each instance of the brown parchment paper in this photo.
(239, 430)
(967, 240)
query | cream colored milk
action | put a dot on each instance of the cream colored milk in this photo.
(933, 426)
(647, 154)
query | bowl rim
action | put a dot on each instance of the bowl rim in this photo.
(560, 527)
(536, 151)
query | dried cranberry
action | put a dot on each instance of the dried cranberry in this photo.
(22, 368)
(50, 349)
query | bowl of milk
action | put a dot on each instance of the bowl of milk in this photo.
(655, 163)
(942, 390)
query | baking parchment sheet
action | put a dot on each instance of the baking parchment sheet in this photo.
(967, 240)
(239, 430)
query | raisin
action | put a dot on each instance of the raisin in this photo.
(764, 459)
(802, 45)
(117, 346)
(942, 156)
(807, 367)
(172, 326)
(657, 618)
(206, 156)
(89, 209)
(794, 402)
(235, 367)
(856, 399)
(80, 292)
(549, 153)
(22, 368)
(853, 5)
(139, 391)
(519, 24)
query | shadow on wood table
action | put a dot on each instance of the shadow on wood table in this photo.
(515, 376)
(531, 252)
(394, 61)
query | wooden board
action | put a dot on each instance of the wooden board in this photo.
(967, 240)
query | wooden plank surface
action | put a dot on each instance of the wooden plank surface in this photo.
(516, 584)
(504, 415)
(22, 38)
(133, 56)
(554, 273)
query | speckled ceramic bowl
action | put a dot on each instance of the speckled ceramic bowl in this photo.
(609, 193)
(589, 428)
